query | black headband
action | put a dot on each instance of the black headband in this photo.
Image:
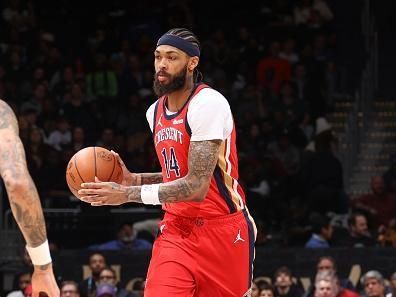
(180, 43)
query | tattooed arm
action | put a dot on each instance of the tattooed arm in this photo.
(137, 179)
(202, 160)
(24, 200)
(23, 196)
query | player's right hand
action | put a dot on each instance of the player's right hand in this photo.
(129, 178)
(43, 280)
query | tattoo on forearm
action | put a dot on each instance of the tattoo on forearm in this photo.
(22, 193)
(202, 159)
(151, 178)
(7, 117)
(44, 267)
(133, 194)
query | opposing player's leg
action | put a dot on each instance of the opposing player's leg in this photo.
(226, 257)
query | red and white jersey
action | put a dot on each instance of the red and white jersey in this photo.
(206, 115)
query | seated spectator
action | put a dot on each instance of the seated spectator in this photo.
(327, 263)
(392, 292)
(272, 70)
(61, 136)
(380, 205)
(325, 284)
(266, 290)
(387, 234)
(255, 290)
(126, 240)
(357, 234)
(21, 281)
(96, 263)
(108, 276)
(138, 288)
(284, 286)
(373, 284)
(106, 290)
(322, 232)
(69, 289)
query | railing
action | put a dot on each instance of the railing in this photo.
(359, 117)
(72, 215)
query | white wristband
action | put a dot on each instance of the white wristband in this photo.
(149, 194)
(40, 255)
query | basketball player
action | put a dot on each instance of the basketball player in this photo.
(25, 202)
(206, 245)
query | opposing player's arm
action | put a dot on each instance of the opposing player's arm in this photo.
(22, 193)
(202, 156)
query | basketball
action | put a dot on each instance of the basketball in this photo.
(90, 162)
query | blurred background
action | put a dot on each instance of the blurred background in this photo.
(310, 84)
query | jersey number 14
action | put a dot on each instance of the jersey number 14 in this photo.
(170, 162)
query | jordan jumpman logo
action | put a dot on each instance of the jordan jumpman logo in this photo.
(239, 238)
(159, 121)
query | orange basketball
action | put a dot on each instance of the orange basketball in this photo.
(90, 162)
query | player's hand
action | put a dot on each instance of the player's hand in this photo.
(43, 280)
(129, 179)
(103, 193)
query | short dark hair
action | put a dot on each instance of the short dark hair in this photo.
(283, 269)
(329, 258)
(96, 253)
(352, 217)
(318, 222)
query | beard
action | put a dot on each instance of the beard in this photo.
(177, 82)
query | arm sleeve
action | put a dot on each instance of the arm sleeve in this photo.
(209, 116)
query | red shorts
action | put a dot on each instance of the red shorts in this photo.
(202, 257)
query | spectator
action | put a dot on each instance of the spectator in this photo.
(284, 286)
(392, 286)
(327, 263)
(108, 276)
(88, 286)
(322, 232)
(272, 70)
(373, 284)
(138, 288)
(106, 290)
(61, 136)
(324, 189)
(325, 284)
(266, 290)
(69, 289)
(126, 240)
(288, 51)
(380, 205)
(21, 281)
(357, 235)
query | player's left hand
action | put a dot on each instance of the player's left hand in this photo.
(43, 280)
(103, 193)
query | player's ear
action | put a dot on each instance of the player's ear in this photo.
(193, 63)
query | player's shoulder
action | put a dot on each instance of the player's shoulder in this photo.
(211, 97)
(150, 110)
